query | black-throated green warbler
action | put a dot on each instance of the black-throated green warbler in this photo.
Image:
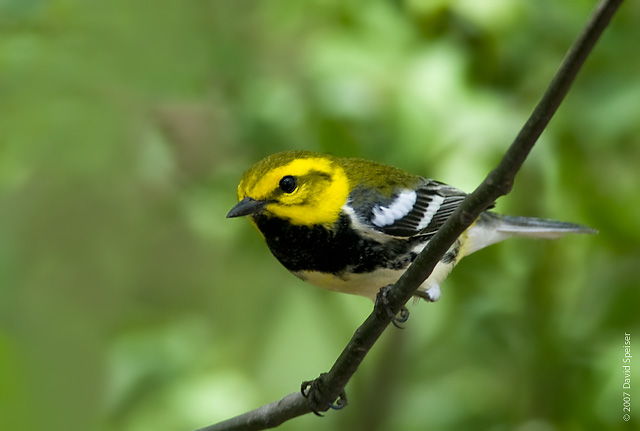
(354, 225)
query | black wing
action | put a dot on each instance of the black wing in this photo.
(421, 211)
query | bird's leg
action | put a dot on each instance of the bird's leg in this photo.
(431, 294)
(312, 390)
(382, 305)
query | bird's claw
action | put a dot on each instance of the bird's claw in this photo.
(312, 390)
(382, 303)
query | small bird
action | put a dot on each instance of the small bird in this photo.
(354, 226)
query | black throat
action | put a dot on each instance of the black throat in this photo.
(333, 250)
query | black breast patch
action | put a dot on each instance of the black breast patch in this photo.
(316, 248)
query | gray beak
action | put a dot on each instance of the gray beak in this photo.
(245, 207)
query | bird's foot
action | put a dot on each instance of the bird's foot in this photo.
(312, 390)
(382, 305)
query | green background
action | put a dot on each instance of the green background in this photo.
(129, 302)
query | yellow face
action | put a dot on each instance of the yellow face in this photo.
(305, 191)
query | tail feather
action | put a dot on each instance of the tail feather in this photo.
(491, 228)
(538, 227)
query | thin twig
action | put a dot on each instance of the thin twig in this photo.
(498, 183)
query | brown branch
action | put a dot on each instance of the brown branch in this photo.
(499, 182)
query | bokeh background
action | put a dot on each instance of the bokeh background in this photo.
(129, 302)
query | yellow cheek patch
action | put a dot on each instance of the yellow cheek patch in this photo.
(264, 186)
(322, 205)
(315, 201)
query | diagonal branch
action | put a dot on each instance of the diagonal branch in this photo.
(499, 182)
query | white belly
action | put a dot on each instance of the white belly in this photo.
(363, 284)
(368, 284)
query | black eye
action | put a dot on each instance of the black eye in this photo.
(288, 184)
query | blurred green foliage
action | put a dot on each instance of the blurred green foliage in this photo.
(129, 302)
